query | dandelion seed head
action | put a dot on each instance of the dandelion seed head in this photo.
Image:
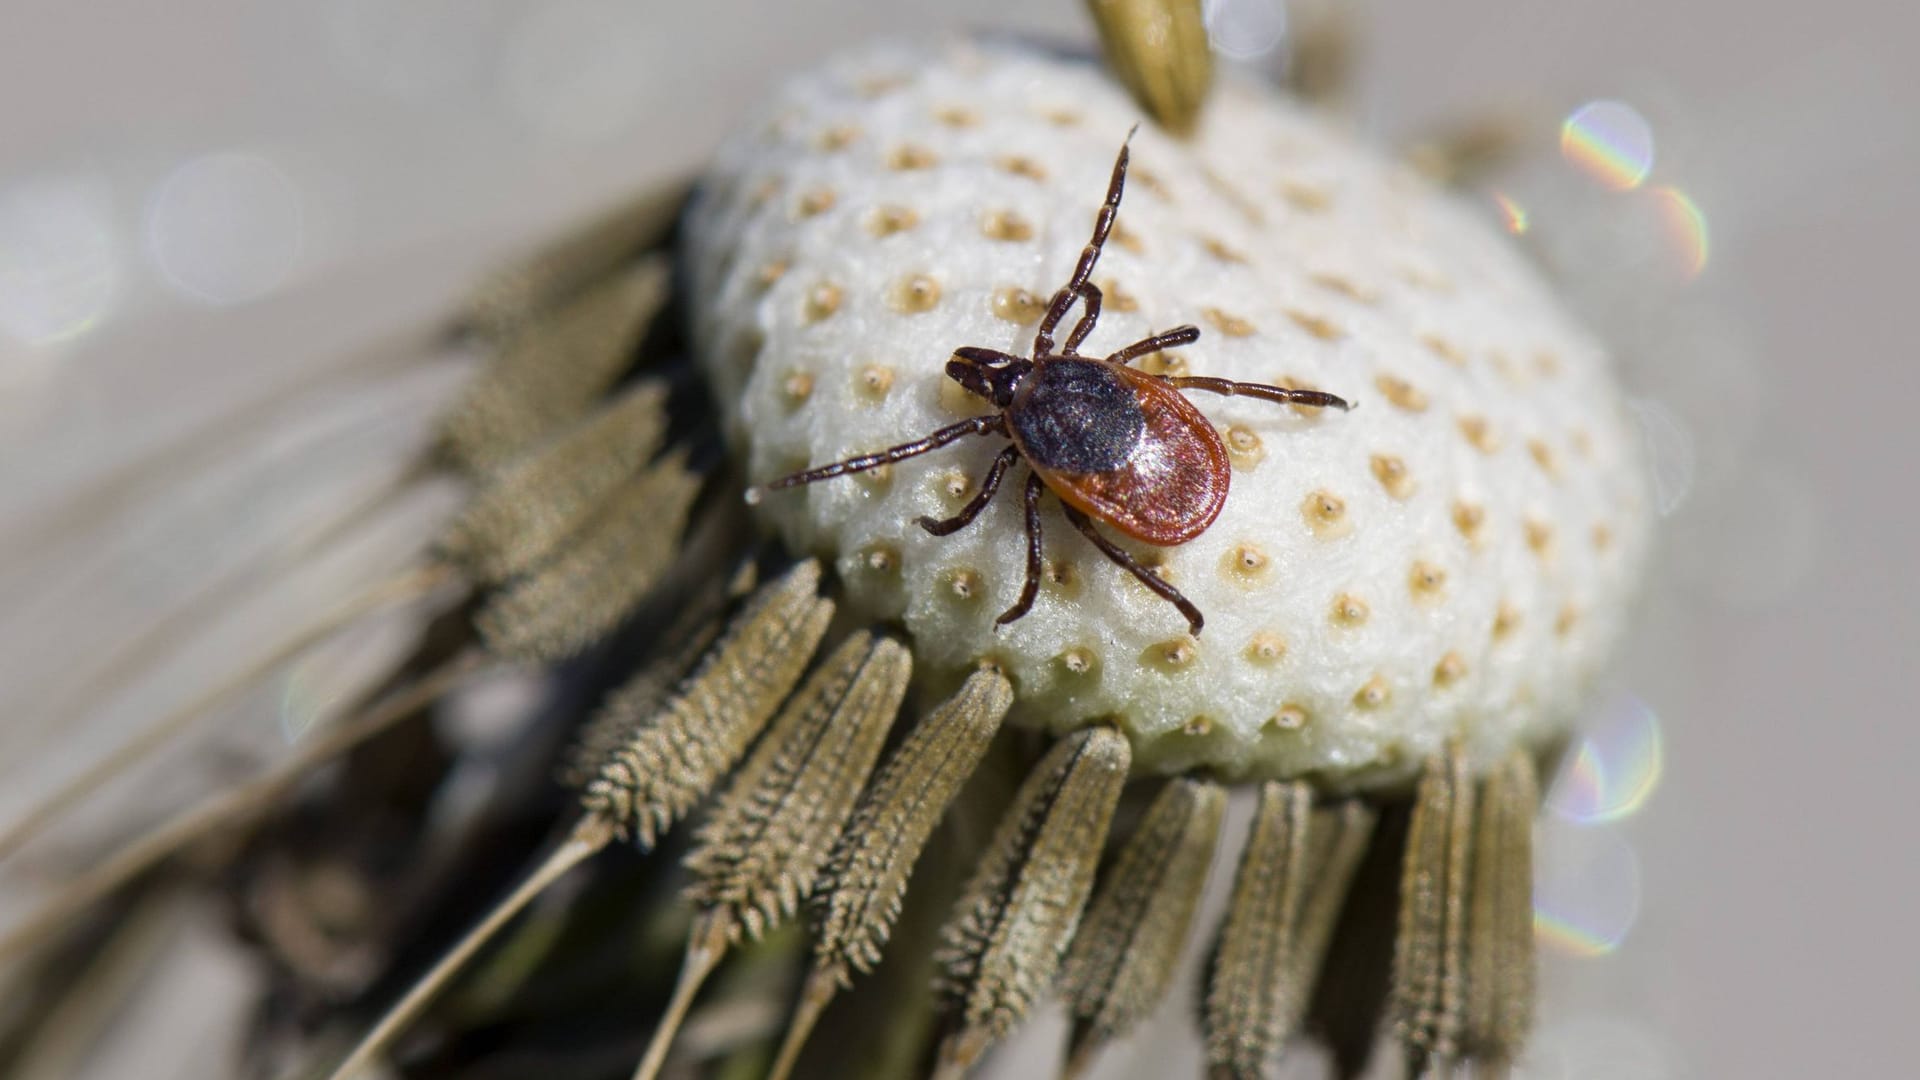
(1338, 505)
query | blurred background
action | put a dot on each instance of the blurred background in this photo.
(206, 200)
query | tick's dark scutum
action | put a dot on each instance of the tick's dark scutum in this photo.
(1077, 416)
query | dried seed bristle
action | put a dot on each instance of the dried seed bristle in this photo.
(874, 857)
(759, 853)
(1002, 946)
(676, 756)
(535, 504)
(872, 862)
(1500, 971)
(1337, 838)
(1429, 964)
(601, 576)
(1248, 996)
(1123, 956)
(770, 834)
(637, 699)
(585, 255)
(553, 370)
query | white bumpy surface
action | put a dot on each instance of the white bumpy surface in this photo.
(1454, 557)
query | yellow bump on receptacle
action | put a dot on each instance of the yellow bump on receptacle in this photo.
(1326, 515)
(914, 294)
(1349, 611)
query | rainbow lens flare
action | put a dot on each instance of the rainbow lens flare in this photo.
(1512, 215)
(1614, 768)
(1685, 228)
(1609, 141)
(1586, 888)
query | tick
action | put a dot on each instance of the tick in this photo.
(1114, 444)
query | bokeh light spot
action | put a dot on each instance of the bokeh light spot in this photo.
(59, 271)
(1586, 887)
(1513, 216)
(225, 228)
(1609, 141)
(1614, 767)
(1685, 228)
(1245, 29)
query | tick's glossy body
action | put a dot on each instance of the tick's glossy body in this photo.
(1122, 447)
(1117, 446)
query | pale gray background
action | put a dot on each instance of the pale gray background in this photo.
(417, 143)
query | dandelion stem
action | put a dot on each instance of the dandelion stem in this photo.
(588, 838)
(229, 808)
(819, 990)
(706, 946)
(406, 586)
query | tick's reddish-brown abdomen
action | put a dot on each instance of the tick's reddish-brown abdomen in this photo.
(1171, 487)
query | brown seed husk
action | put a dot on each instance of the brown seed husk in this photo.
(770, 834)
(534, 505)
(1429, 968)
(1245, 1013)
(1123, 957)
(871, 864)
(676, 756)
(1003, 944)
(1160, 52)
(1337, 840)
(759, 853)
(1500, 964)
(874, 857)
(1350, 997)
(1261, 981)
(602, 575)
(553, 370)
(637, 699)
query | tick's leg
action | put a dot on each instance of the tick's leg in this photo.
(1151, 580)
(987, 357)
(1179, 335)
(979, 502)
(979, 425)
(1280, 394)
(1102, 225)
(1090, 296)
(1032, 586)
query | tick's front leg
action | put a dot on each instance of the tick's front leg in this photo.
(1032, 586)
(979, 502)
(979, 425)
(1091, 297)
